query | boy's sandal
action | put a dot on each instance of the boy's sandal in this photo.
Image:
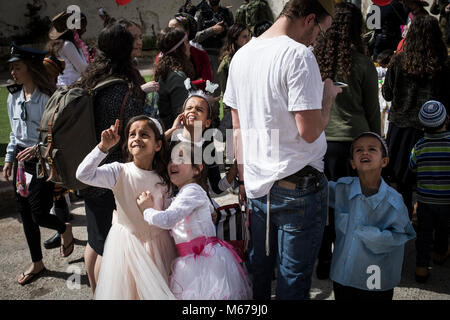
(422, 274)
(63, 249)
(29, 277)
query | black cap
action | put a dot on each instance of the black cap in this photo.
(22, 53)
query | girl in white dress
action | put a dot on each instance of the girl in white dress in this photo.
(208, 268)
(137, 257)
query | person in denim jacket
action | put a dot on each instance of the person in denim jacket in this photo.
(372, 226)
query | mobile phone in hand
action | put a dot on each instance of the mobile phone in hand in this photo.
(340, 84)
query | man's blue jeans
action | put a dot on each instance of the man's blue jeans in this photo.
(297, 221)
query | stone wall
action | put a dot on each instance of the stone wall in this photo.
(146, 12)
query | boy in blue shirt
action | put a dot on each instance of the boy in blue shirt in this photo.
(372, 226)
(430, 158)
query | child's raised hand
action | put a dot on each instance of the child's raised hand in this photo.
(178, 121)
(175, 126)
(145, 201)
(110, 137)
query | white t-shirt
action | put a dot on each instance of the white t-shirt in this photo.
(268, 80)
(75, 64)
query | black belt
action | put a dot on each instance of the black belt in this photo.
(302, 178)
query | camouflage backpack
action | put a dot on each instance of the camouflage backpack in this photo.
(240, 15)
(257, 10)
(67, 133)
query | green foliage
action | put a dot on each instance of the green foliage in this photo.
(149, 42)
(5, 127)
(148, 78)
(36, 28)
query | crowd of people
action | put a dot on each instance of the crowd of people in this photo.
(340, 149)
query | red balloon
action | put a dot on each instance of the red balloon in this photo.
(381, 3)
(122, 2)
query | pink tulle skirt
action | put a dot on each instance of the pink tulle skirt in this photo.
(209, 271)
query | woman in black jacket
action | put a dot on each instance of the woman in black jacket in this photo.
(113, 61)
(418, 74)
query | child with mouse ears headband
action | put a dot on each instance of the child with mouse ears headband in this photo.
(196, 117)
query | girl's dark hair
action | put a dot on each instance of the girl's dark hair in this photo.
(41, 78)
(115, 44)
(201, 178)
(229, 47)
(176, 60)
(385, 56)
(425, 53)
(188, 23)
(128, 23)
(261, 27)
(161, 158)
(334, 51)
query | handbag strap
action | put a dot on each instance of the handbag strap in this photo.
(218, 214)
(124, 101)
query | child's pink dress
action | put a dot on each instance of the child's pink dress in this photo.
(208, 268)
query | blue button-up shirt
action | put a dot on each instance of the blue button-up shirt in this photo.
(370, 235)
(24, 133)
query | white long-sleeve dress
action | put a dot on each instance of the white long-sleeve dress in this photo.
(208, 268)
(75, 64)
(137, 257)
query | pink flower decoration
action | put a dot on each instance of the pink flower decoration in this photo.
(84, 48)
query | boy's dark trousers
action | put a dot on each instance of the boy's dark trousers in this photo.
(344, 293)
(431, 218)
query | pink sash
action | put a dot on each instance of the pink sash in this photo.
(198, 245)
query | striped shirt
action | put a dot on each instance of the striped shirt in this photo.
(430, 158)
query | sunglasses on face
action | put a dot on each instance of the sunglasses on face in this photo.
(23, 114)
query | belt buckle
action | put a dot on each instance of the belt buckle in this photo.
(308, 180)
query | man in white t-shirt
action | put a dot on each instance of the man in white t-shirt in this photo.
(281, 107)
